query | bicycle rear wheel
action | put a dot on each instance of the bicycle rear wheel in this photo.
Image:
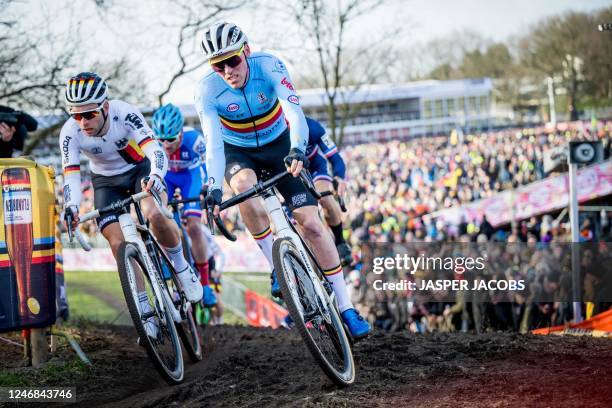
(164, 348)
(316, 318)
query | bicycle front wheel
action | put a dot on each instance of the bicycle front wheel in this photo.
(316, 317)
(154, 326)
(187, 329)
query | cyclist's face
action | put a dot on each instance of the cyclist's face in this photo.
(171, 146)
(90, 123)
(236, 76)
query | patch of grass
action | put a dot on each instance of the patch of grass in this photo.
(52, 373)
(9, 379)
(83, 305)
(257, 282)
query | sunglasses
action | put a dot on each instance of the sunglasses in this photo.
(231, 62)
(170, 139)
(78, 116)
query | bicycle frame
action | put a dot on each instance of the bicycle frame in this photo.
(133, 232)
(284, 229)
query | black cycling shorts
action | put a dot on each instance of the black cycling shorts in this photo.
(108, 189)
(267, 161)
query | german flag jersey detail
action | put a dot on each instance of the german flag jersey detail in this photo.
(128, 141)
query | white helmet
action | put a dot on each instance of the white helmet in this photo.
(221, 38)
(85, 88)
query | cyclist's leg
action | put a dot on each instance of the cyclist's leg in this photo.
(167, 233)
(190, 184)
(240, 174)
(331, 209)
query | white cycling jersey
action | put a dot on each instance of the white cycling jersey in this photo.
(126, 143)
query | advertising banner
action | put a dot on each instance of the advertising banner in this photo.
(27, 241)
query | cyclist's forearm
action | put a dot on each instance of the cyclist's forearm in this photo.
(72, 186)
(298, 129)
(159, 160)
(338, 166)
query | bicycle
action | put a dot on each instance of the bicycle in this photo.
(201, 314)
(307, 295)
(141, 262)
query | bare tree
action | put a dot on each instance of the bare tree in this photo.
(196, 16)
(342, 68)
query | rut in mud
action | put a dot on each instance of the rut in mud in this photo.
(245, 366)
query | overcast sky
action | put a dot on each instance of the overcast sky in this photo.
(151, 46)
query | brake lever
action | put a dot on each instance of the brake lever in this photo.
(69, 225)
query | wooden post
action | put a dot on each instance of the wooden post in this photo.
(40, 347)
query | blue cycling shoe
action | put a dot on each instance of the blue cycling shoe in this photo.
(276, 291)
(357, 325)
(209, 299)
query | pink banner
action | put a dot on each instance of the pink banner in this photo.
(536, 198)
(241, 256)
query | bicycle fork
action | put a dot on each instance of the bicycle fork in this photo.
(279, 219)
(130, 234)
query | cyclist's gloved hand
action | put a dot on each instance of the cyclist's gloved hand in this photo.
(213, 199)
(153, 183)
(295, 161)
(71, 213)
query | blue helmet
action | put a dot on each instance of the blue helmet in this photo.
(167, 122)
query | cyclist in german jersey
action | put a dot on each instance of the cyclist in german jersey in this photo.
(122, 152)
(321, 149)
(245, 106)
(186, 151)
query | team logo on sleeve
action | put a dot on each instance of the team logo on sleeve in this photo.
(279, 67)
(294, 99)
(233, 107)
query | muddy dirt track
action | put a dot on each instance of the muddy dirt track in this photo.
(262, 367)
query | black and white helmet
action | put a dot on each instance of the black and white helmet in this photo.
(85, 88)
(221, 38)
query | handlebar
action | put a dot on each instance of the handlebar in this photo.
(258, 188)
(117, 205)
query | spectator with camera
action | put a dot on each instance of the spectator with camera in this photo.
(14, 127)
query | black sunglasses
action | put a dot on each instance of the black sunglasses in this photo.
(87, 114)
(231, 62)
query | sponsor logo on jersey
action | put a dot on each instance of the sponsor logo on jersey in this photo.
(96, 150)
(65, 147)
(115, 118)
(135, 121)
(121, 143)
(294, 99)
(261, 97)
(66, 193)
(159, 159)
(287, 84)
(185, 155)
(233, 107)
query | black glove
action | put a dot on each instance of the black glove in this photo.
(70, 213)
(296, 154)
(213, 198)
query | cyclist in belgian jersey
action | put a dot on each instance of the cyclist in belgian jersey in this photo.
(321, 149)
(186, 150)
(254, 125)
(122, 152)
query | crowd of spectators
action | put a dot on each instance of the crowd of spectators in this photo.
(397, 185)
